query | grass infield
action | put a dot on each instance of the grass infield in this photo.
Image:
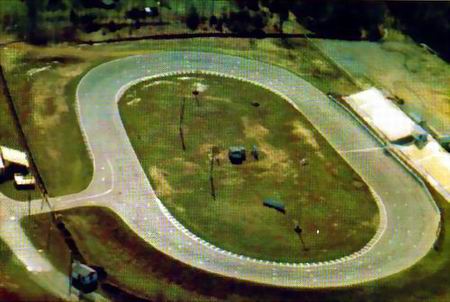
(297, 167)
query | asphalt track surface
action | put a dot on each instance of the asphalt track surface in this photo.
(409, 218)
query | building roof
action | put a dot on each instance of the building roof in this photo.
(24, 180)
(2, 163)
(14, 156)
(233, 149)
(372, 105)
(81, 269)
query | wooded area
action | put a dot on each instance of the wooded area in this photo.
(42, 21)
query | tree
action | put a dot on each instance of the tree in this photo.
(213, 21)
(339, 19)
(34, 32)
(55, 5)
(281, 8)
(192, 19)
(249, 4)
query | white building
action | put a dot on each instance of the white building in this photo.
(381, 113)
(2, 165)
(426, 155)
(14, 156)
(21, 180)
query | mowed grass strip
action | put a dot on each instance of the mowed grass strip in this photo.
(330, 202)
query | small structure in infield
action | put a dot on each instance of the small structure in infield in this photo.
(275, 204)
(237, 155)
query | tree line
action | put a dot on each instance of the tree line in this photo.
(427, 22)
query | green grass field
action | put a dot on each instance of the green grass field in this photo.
(15, 281)
(330, 202)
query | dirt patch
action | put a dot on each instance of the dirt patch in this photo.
(161, 82)
(53, 86)
(216, 98)
(205, 149)
(163, 187)
(200, 87)
(52, 59)
(301, 131)
(275, 162)
(254, 130)
(134, 101)
(190, 168)
(34, 71)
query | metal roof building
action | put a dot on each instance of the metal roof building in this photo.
(84, 277)
(14, 156)
(21, 180)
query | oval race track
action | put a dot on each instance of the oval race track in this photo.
(409, 217)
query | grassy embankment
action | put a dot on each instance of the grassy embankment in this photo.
(331, 203)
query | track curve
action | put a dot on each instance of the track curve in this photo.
(409, 218)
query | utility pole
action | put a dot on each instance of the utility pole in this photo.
(299, 232)
(211, 178)
(29, 204)
(50, 228)
(70, 272)
(183, 105)
(196, 93)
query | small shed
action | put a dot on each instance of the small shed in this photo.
(83, 277)
(237, 155)
(14, 156)
(274, 204)
(24, 181)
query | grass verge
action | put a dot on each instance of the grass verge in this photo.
(15, 282)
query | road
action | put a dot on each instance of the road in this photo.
(409, 217)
